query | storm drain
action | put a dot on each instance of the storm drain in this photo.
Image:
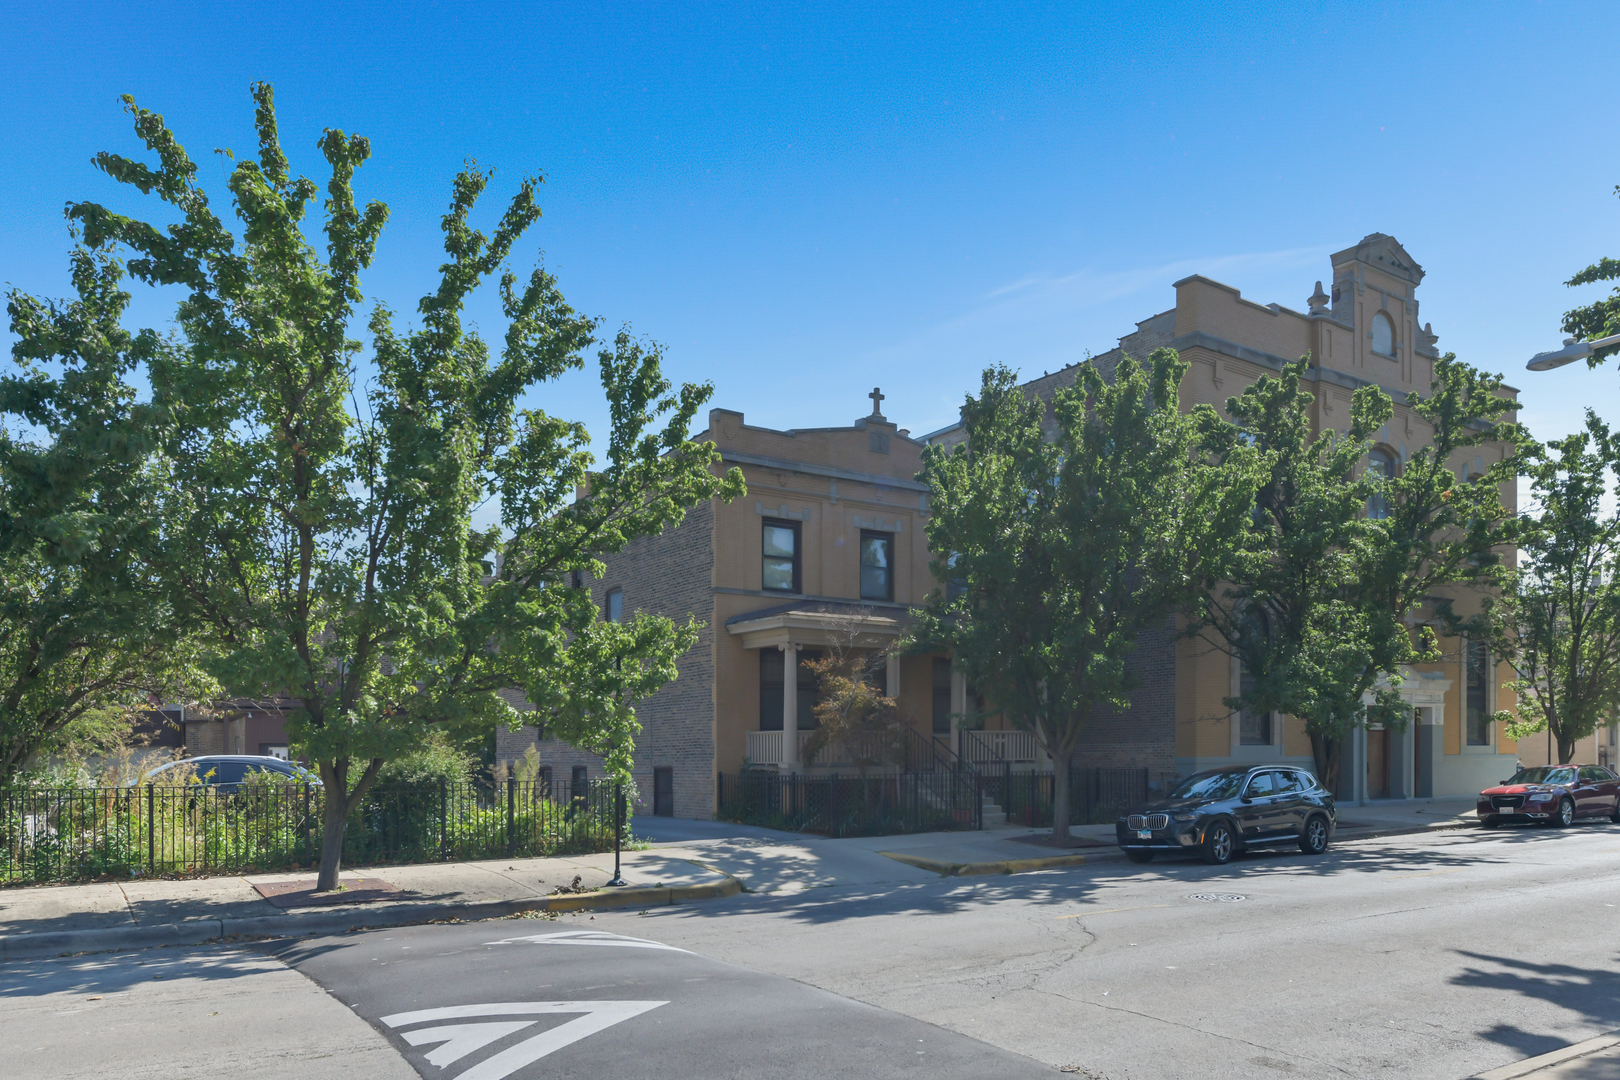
(1217, 897)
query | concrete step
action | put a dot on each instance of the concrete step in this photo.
(994, 815)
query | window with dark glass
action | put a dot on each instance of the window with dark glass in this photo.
(1254, 728)
(579, 784)
(942, 695)
(1380, 462)
(770, 690)
(613, 609)
(877, 565)
(1261, 784)
(779, 564)
(1478, 679)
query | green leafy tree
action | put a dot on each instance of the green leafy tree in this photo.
(1563, 609)
(1601, 318)
(1283, 604)
(320, 526)
(1062, 550)
(1355, 578)
(85, 628)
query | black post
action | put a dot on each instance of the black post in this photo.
(511, 815)
(151, 829)
(618, 831)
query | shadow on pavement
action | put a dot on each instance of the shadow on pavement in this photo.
(1591, 993)
(112, 973)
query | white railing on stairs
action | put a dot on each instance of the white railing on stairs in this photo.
(987, 746)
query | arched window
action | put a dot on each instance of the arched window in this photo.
(1383, 335)
(1380, 462)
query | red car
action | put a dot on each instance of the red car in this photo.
(1552, 795)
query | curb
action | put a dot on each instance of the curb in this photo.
(1547, 1061)
(971, 869)
(1406, 830)
(203, 931)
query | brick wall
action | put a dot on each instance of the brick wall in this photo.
(671, 575)
(1143, 736)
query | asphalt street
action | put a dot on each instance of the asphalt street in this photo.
(523, 998)
(1440, 955)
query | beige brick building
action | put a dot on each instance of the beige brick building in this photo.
(1365, 330)
(829, 549)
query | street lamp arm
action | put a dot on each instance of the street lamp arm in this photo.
(1572, 351)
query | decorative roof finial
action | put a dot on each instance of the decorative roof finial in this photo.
(877, 397)
(1318, 301)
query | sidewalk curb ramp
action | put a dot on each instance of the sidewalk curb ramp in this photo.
(1531, 1066)
(396, 913)
(972, 869)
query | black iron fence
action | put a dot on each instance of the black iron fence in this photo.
(853, 805)
(1096, 796)
(80, 834)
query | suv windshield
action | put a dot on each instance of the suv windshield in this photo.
(1543, 774)
(1210, 785)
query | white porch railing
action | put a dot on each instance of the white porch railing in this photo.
(765, 748)
(987, 746)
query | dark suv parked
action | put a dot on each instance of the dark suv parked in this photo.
(1223, 811)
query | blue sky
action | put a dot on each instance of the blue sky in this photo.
(802, 201)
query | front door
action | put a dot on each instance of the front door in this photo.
(1255, 813)
(1377, 763)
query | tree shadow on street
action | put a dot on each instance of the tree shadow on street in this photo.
(1590, 993)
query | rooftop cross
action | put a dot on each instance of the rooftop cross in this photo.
(877, 397)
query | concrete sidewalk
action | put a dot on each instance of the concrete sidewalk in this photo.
(52, 919)
(1594, 1059)
(689, 860)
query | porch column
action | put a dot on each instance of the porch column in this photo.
(958, 708)
(790, 707)
(892, 675)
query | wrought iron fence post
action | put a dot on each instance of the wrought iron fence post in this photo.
(151, 828)
(511, 815)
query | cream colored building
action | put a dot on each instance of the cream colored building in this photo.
(828, 551)
(1364, 330)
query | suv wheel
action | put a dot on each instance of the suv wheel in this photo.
(1566, 813)
(1219, 844)
(1314, 840)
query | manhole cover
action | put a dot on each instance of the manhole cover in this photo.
(1218, 897)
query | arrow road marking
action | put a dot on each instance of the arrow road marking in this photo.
(462, 1039)
(587, 937)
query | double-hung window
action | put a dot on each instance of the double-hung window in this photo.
(779, 558)
(877, 565)
(613, 608)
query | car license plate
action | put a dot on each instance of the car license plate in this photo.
(1144, 834)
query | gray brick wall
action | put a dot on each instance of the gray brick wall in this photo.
(673, 575)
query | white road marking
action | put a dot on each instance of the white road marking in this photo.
(587, 937)
(463, 1039)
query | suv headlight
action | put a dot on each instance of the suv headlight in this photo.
(1183, 817)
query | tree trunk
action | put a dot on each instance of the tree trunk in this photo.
(1060, 795)
(1325, 753)
(340, 802)
(1566, 747)
(334, 820)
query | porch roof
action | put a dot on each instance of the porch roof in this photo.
(819, 622)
